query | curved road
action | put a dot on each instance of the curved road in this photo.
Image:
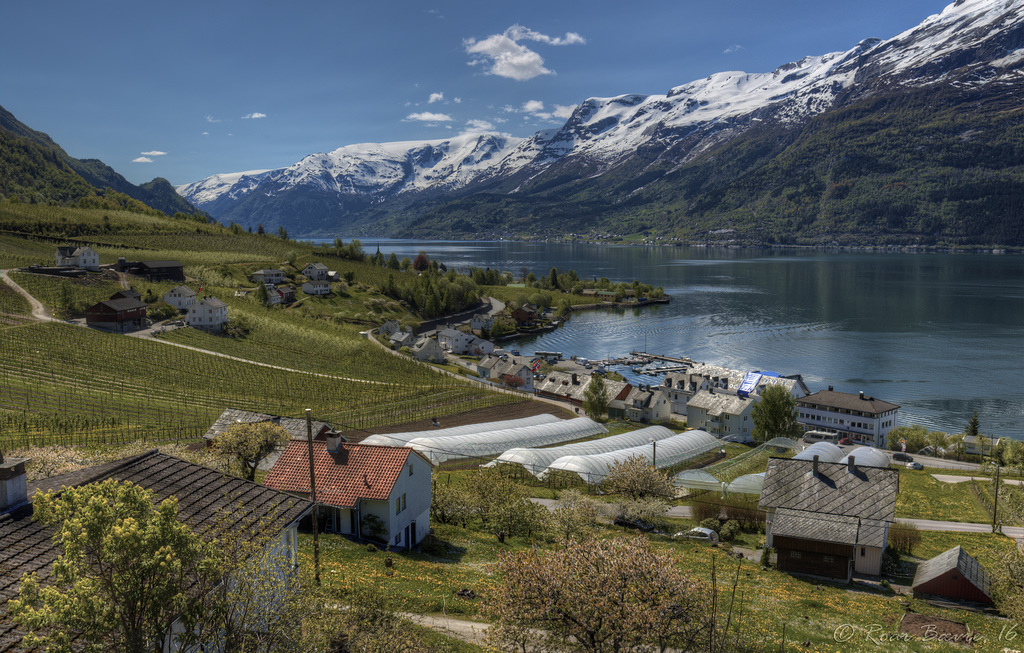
(38, 310)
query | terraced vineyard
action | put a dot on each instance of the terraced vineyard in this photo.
(65, 384)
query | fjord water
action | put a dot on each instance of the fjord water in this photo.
(939, 334)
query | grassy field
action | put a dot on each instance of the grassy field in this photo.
(766, 600)
(923, 497)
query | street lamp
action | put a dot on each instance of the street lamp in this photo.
(654, 446)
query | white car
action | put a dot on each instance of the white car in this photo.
(700, 533)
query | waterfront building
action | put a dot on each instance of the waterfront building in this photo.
(863, 419)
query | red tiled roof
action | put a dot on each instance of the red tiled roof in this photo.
(353, 472)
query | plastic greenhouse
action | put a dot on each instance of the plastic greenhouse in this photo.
(400, 439)
(440, 449)
(728, 475)
(670, 451)
(867, 457)
(825, 451)
(536, 461)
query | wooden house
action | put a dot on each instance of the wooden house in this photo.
(953, 574)
(357, 481)
(117, 314)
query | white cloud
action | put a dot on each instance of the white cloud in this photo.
(533, 106)
(212, 119)
(142, 159)
(435, 97)
(504, 56)
(426, 116)
(479, 126)
(206, 133)
(457, 100)
(563, 110)
(254, 116)
(732, 49)
(153, 153)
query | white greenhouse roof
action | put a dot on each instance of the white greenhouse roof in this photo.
(399, 439)
(489, 443)
(747, 484)
(867, 457)
(536, 461)
(670, 451)
(825, 451)
(697, 479)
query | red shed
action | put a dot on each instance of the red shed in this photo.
(954, 574)
(123, 314)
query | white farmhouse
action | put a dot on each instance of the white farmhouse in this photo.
(455, 341)
(317, 288)
(370, 491)
(208, 313)
(78, 257)
(315, 271)
(181, 298)
(268, 277)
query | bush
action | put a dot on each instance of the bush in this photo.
(701, 510)
(713, 524)
(903, 537)
(161, 311)
(730, 530)
(766, 557)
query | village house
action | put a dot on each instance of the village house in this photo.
(389, 328)
(316, 288)
(863, 419)
(315, 271)
(296, 427)
(682, 386)
(645, 404)
(207, 496)
(180, 297)
(953, 574)
(571, 388)
(268, 277)
(481, 321)
(525, 315)
(280, 295)
(369, 491)
(401, 339)
(454, 341)
(510, 371)
(724, 415)
(78, 257)
(828, 519)
(208, 313)
(119, 313)
(429, 351)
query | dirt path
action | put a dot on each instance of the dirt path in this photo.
(39, 312)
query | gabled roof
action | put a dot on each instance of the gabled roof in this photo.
(212, 302)
(160, 264)
(846, 401)
(125, 304)
(316, 266)
(718, 403)
(841, 529)
(296, 426)
(182, 290)
(955, 558)
(866, 492)
(203, 495)
(353, 472)
(128, 293)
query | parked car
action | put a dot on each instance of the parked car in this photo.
(846, 441)
(638, 524)
(902, 457)
(700, 533)
(913, 465)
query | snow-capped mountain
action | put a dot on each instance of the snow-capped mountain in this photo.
(971, 43)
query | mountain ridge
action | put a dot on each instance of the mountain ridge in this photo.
(611, 149)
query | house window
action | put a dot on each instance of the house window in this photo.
(398, 537)
(862, 551)
(398, 505)
(403, 502)
(828, 559)
(410, 469)
(794, 554)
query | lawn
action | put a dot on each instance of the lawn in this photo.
(923, 497)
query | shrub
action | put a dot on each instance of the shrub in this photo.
(903, 537)
(730, 530)
(766, 557)
(703, 509)
(713, 524)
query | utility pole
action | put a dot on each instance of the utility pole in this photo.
(995, 504)
(654, 446)
(312, 497)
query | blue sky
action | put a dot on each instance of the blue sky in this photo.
(185, 89)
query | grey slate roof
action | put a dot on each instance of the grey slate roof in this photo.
(204, 495)
(867, 492)
(841, 529)
(955, 558)
(846, 401)
(296, 426)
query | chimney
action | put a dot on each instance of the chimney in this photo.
(830, 388)
(850, 466)
(334, 441)
(814, 466)
(861, 394)
(13, 485)
(575, 379)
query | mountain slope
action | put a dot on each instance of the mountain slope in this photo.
(35, 166)
(916, 139)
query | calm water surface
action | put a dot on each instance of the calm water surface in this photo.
(941, 335)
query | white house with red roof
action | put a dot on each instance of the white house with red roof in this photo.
(357, 482)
